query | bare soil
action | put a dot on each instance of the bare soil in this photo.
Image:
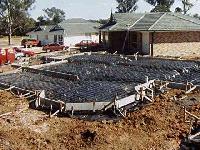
(156, 126)
(14, 42)
(6, 68)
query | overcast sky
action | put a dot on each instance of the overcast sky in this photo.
(94, 9)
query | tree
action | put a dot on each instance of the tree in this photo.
(41, 21)
(12, 12)
(100, 21)
(196, 16)
(161, 2)
(125, 6)
(187, 5)
(178, 10)
(161, 5)
(27, 24)
(54, 15)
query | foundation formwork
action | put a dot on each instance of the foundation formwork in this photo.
(96, 83)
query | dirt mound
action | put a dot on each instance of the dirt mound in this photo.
(159, 125)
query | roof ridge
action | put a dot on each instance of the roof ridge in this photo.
(52, 27)
(157, 21)
(183, 18)
(136, 21)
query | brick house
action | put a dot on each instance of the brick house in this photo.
(151, 33)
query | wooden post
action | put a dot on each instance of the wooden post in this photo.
(65, 106)
(152, 42)
(125, 112)
(147, 79)
(72, 111)
(18, 92)
(9, 23)
(60, 108)
(93, 106)
(152, 94)
(190, 86)
(100, 37)
(186, 87)
(184, 114)
(115, 104)
(51, 107)
(190, 114)
(141, 93)
(104, 39)
(191, 122)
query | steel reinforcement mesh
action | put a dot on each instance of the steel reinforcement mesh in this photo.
(126, 69)
(103, 77)
(70, 91)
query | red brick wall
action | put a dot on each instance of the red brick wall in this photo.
(177, 44)
(176, 37)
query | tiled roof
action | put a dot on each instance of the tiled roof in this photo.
(154, 22)
(176, 22)
(146, 21)
(71, 27)
(79, 26)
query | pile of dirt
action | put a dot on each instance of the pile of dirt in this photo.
(10, 102)
(159, 125)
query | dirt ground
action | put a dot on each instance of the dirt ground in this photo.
(156, 126)
(6, 68)
(14, 42)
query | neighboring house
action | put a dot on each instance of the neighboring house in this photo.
(68, 32)
(151, 33)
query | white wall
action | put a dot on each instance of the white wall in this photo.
(145, 43)
(72, 40)
(42, 38)
(95, 38)
(68, 40)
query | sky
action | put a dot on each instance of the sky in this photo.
(87, 9)
(95, 9)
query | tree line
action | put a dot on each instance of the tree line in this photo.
(159, 5)
(15, 19)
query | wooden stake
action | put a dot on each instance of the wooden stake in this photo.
(51, 107)
(72, 111)
(93, 106)
(55, 113)
(193, 136)
(2, 115)
(194, 116)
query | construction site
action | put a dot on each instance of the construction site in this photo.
(101, 100)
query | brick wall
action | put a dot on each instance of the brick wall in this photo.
(177, 43)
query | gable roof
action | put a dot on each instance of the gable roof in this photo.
(153, 22)
(71, 27)
(46, 29)
(125, 20)
(78, 26)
